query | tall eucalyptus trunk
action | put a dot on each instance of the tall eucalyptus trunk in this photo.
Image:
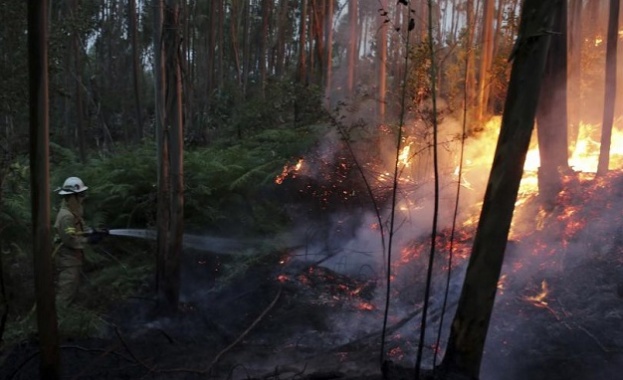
(47, 326)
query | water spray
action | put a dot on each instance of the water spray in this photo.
(214, 244)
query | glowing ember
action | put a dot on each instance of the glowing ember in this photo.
(502, 283)
(538, 300)
(365, 306)
(283, 278)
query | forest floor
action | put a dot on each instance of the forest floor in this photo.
(559, 320)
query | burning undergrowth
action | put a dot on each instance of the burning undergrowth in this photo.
(315, 308)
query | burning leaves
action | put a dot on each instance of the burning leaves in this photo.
(289, 170)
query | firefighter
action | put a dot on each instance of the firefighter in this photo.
(72, 237)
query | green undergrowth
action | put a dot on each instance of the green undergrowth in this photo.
(228, 191)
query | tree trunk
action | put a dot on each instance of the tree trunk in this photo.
(137, 68)
(610, 88)
(302, 66)
(470, 75)
(574, 71)
(77, 54)
(471, 321)
(47, 326)
(220, 68)
(266, 10)
(552, 112)
(328, 53)
(79, 102)
(281, 38)
(485, 60)
(211, 74)
(317, 31)
(352, 46)
(162, 136)
(174, 122)
(246, 48)
(382, 61)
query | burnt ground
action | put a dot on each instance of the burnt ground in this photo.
(292, 332)
(301, 321)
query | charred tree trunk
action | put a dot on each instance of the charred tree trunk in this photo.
(552, 112)
(174, 123)
(611, 88)
(40, 184)
(471, 321)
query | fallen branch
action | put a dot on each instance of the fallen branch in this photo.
(148, 367)
(244, 333)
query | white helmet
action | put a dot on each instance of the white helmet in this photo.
(72, 185)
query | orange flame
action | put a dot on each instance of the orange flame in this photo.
(287, 169)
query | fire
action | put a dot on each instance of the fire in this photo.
(404, 158)
(287, 169)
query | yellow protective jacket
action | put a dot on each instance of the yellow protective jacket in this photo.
(70, 226)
